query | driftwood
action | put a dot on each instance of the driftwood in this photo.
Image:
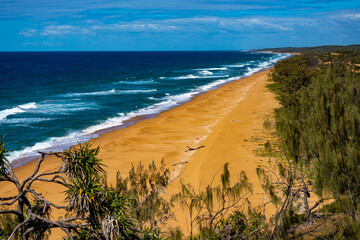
(193, 149)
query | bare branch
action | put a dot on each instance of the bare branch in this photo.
(50, 222)
(36, 170)
(316, 205)
(45, 174)
(12, 178)
(13, 201)
(12, 235)
(7, 198)
(37, 195)
(10, 211)
(38, 178)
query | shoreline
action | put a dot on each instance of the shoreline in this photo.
(220, 119)
(18, 162)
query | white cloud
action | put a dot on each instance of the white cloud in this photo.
(28, 32)
(60, 30)
(231, 22)
(353, 16)
(177, 25)
(134, 27)
(256, 22)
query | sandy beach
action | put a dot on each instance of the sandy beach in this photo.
(223, 120)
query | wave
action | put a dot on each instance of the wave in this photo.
(60, 108)
(154, 98)
(236, 65)
(266, 64)
(18, 109)
(52, 144)
(63, 107)
(190, 76)
(28, 105)
(206, 75)
(206, 72)
(25, 121)
(109, 92)
(135, 82)
(136, 91)
(212, 69)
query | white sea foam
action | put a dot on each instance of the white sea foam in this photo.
(18, 109)
(109, 92)
(25, 121)
(212, 69)
(116, 121)
(28, 105)
(154, 98)
(136, 91)
(190, 76)
(52, 144)
(45, 108)
(8, 112)
(136, 82)
(206, 73)
(266, 64)
(63, 107)
(236, 65)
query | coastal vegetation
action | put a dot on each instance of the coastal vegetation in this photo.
(313, 154)
(318, 129)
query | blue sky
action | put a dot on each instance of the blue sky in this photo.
(81, 25)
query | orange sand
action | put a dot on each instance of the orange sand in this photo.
(221, 119)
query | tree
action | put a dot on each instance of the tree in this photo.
(145, 188)
(94, 211)
(208, 208)
(318, 125)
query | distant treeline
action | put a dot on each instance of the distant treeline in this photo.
(327, 48)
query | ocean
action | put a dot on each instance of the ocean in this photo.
(52, 100)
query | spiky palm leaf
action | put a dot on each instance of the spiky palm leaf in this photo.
(82, 161)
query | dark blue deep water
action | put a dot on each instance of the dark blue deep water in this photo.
(51, 100)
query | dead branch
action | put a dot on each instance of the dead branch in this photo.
(12, 235)
(13, 201)
(37, 195)
(10, 211)
(7, 198)
(193, 149)
(36, 170)
(33, 179)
